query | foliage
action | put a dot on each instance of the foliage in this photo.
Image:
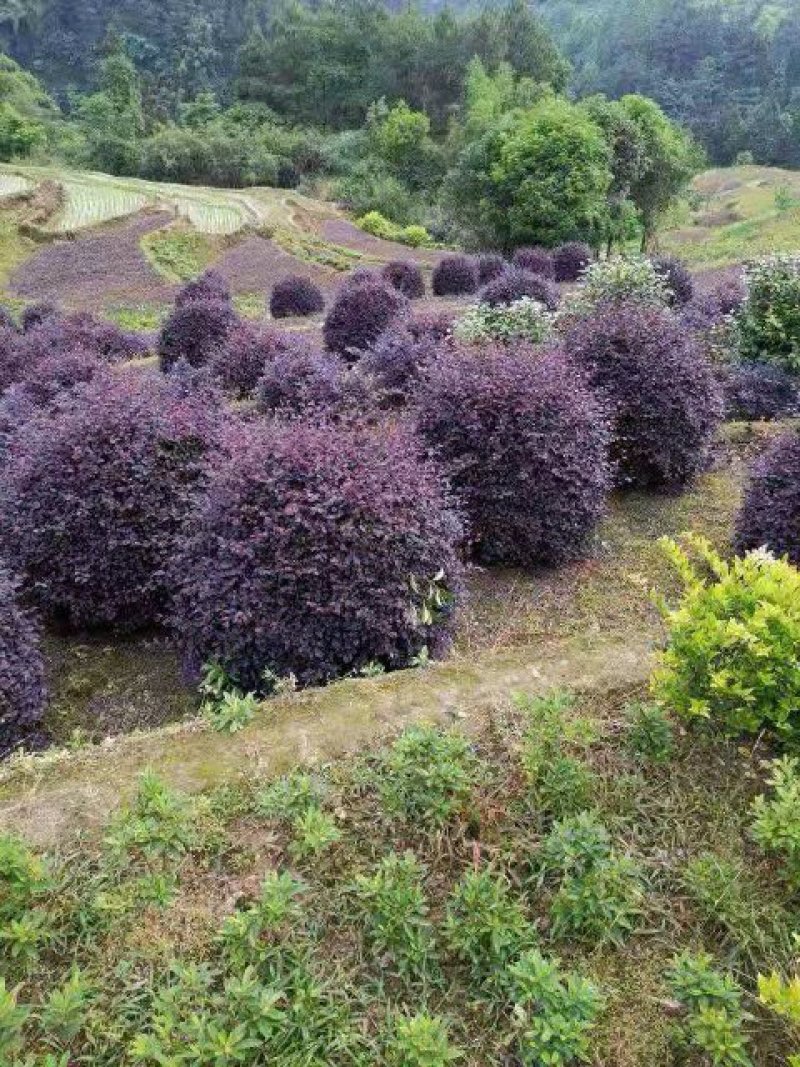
(659, 389)
(90, 530)
(515, 284)
(758, 391)
(299, 381)
(327, 524)
(194, 332)
(398, 359)
(454, 275)
(295, 295)
(570, 260)
(771, 506)
(525, 444)
(359, 315)
(677, 278)
(769, 322)
(314, 831)
(650, 733)
(210, 285)
(489, 264)
(248, 350)
(22, 688)
(524, 319)
(776, 821)
(620, 279)
(715, 1015)
(419, 1041)
(553, 747)
(406, 277)
(535, 260)
(54, 334)
(730, 638)
(426, 776)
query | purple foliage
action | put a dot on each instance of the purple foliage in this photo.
(677, 278)
(208, 286)
(659, 388)
(570, 260)
(60, 373)
(58, 333)
(295, 295)
(490, 264)
(35, 314)
(7, 320)
(770, 513)
(526, 446)
(717, 296)
(757, 391)
(397, 361)
(22, 689)
(405, 276)
(435, 325)
(301, 556)
(240, 362)
(513, 284)
(300, 380)
(95, 492)
(536, 260)
(359, 316)
(14, 361)
(455, 275)
(195, 331)
(362, 275)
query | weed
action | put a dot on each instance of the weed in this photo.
(160, 826)
(419, 1041)
(65, 1011)
(714, 1011)
(776, 823)
(290, 796)
(13, 1017)
(650, 733)
(314, 831)
(426, 776)
(233, 712)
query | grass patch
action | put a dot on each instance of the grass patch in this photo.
(250, 305)
(141, 318)
(179, 253)
(312, 249)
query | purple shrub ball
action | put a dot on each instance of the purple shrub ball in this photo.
(35, 314)
(514, 284)
(397, 361)
(14, 360)
(676, 276)
(238, 365)
(717, 296)
(295, 296)
(60, 374)
(22, 688)
(536, 260)
(489, 264)
(757, 391)
(301, 557)
(570, 260)
(58, 333)
(455, 275)
(195, 331)
(359, 315)
(406, 277)
(95, 494)
(660, 391)
(770, 513)
(362, 275)
(208, 286)
(526, 446)
(434, 325)
(301, 381)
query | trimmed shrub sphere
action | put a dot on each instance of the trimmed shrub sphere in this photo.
(490, 264)
(94, 494)
(513, 284)
(535, 260)
(14, 361)
(571, 260)
(677, 278)
(295, 295)
(210, 285)
(300, 380)
(397, 361)
(455, 275)
(770, 513)
(315, 552)
(660, 390)
(406, 277)
(526, 446)
(435, 325)
(60, 373)
(35, 314)
(359, 315)
(56, 334)
(195, 331)
(758, 391)
(22, 690)
(238, 365)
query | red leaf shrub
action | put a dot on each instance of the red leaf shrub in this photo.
(720, 296)
(22, 690)
(14, 361)
(60, 373)
(210, 285)
(489, 264)
(248, 348)
(397, 361)
(570, 260)
(535, 260)
(406, 277)
(513, 284)
(7, 320)
(301, 380)
(660, 390)
(677, 277)
(35, 314)
(295, 295)
(300, 558)
(455, 275)
(57, 333)
(526, 446)
(436, 325)
(770, 513)
(95, 492)
(195, 331)
(757, 391)
(359, 315)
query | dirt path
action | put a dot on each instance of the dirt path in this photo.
(50, 797)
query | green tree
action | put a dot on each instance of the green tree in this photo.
(401, 140)
(112, 119)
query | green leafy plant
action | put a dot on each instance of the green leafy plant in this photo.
(419, 1040)
(233, 712)
(290, 796)
(161, 825)
(249, 935)
(314, 832)
(523, 320)
(768, 325)
(23, 937)
(776, 819)
(378, 225)
(619, 278)
(553, 1012)
(732, 640)
(426, 776)
(13, 1017)
(713, 1003)
(65, 1011)
(650, 733)
(23, 877)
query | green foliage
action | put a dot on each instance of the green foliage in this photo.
(314, 832)
(714, 1013)
(291, 796)
(13, 1017)
(225, 706)
(66, 1008)
(732, 639)
(178, 254)
(620, 278)
(426, 776)
(23, 877)
(160, 826)
(768, 325)
(18, 135)
(486, 927)
(401, 140)
(553, 1013)
(523, 320)
(419, 1040)
(379, 226)
(650, 733)
(394, 913)
(781, 995)
(776, 820)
